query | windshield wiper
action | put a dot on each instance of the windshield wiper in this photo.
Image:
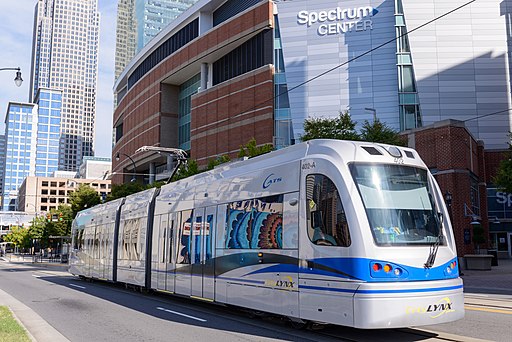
(435, 246)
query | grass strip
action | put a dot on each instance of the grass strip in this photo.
(10, 328)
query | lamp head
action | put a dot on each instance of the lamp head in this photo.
(117, 156)
(18, 80)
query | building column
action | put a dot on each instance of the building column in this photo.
(204, 76)
(152, 169)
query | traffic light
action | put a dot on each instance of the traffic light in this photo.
(60, 217)
(49, 217)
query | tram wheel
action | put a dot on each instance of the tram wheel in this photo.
(298, 324)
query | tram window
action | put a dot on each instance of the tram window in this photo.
(399, 203)
(327, 222)
(183, 256)
(170, 236)
(255, 223)
(208, 237)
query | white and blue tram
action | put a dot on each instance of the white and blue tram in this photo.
(341, 232)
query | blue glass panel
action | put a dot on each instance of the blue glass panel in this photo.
(44, 95)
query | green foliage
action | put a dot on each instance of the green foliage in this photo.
(61, 227)
(377, 131)
(217, 161)
(252, 150)
(84, 197)
(123, 190)
(186, 170)
(341, 128)
(503, 177)
(38, 229)
(19, 236)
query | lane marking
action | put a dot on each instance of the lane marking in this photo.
(506, 312)
(80, 287)
(181, 314)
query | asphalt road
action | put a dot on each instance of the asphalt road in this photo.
(95, 311)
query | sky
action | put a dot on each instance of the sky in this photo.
(16, 25)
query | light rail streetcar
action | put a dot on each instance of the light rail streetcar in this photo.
(341, 232)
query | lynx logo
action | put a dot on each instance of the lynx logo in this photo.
(287, 283)
(271, 179)
(433, 310)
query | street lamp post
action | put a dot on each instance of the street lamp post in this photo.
(17, 80)
(133, 162)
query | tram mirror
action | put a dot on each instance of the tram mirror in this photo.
(316, 219)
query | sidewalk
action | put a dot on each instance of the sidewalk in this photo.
(497, 281)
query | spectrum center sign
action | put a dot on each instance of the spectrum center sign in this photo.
(339, 20)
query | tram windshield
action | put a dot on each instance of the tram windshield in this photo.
(399, 203)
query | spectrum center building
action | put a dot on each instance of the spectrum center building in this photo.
(227, 71)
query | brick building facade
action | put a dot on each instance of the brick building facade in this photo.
(463, 169)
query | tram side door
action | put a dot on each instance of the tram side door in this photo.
(196, 252)
(208, 258)
(169, 250)
(162, 255)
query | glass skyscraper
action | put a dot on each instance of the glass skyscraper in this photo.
(138, 21)
(65, 58)
(20, 125)
(48, 131)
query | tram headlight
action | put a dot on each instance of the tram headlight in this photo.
(379, 269)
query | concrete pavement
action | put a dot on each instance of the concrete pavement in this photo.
(492, 288)
(37, 328)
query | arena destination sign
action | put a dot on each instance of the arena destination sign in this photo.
(338, 20)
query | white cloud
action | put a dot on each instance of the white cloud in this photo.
(16, 25)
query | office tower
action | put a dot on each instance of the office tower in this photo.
(65, 57)
(20, 124)
(138, 21)
(48, 131)
(2, 161)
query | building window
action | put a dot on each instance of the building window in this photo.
(254, 53)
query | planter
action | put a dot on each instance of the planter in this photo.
(478, 261)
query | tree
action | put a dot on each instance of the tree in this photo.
(19, 236)
(186, 170)
(39, 229)
(251, 149)
(123, 190)
(61, 227)
(503, 177)
(84, 197)
(381, 133)
(341, 128)
(218, 161)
